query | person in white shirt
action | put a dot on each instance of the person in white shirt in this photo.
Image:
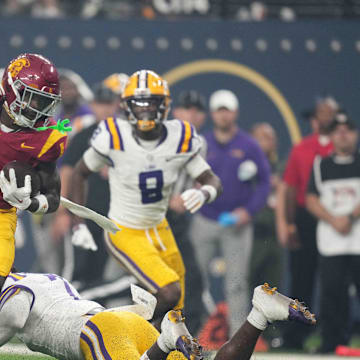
(333, 197)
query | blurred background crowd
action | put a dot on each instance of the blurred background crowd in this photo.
(262, 228)
(241, 10)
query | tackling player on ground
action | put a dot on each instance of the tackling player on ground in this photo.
(48, 315)
(145, 154)
(29, 94)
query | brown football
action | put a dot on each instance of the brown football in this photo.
(21, 170)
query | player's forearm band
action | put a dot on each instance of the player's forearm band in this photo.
(43, 204)
(212, 192)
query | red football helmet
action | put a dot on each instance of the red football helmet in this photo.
(30, 89)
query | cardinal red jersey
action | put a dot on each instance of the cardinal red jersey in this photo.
(32, 147)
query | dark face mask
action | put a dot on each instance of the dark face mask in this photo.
(145, 109)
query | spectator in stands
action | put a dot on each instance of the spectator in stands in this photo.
(245, 173)
(296, 227)
(88, 264)
(117, 82)
(333, 197)
(191, 107)
(112, 9)
(267, 256)
(75, 98)
(266, 263)
(46, 9)
(15, 8)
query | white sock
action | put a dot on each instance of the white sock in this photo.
(257, 319)
(162, 345)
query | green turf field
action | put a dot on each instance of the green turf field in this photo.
(17, 351)
(20, 352)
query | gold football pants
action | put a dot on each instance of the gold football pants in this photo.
(151, 255)
(7, 240)
(119, 335)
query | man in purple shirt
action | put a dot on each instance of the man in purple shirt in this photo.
(227, 222)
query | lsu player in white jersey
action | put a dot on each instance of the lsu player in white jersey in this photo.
(145, 153)
(48, 315)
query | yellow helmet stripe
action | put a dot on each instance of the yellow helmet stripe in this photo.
(143, 79)
(116, 142)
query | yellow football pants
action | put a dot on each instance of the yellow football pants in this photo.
(151, 255)
(7, 240)
(118, 336)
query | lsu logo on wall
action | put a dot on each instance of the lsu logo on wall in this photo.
(17, 65)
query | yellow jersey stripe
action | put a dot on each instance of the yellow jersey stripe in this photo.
(89, 345)
(15, 291)
(62, 149)
(94, 342)
(116, 142)
(8, 295)
(55, 136)
(187, 137)
(6, 291)
(16, 276)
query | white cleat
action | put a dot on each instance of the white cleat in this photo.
(276, 306)
(176, 336)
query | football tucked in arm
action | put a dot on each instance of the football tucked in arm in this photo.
(21, 170)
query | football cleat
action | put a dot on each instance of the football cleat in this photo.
(276, 306)
(176, 336)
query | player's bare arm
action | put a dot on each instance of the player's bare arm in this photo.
(209, 178)
(78, 193)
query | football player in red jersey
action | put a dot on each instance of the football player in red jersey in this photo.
(29, 94)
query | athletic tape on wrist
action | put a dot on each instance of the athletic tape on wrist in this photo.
(212, 192)
(43, 204)
(257, 319)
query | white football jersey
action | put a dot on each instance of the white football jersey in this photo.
(56, 317)
(141, 179)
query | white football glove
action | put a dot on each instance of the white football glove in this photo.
(15, 196)
(82, 237)
(193, 199)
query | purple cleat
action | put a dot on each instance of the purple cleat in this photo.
(177, 337)
(276, 306)
(299, 312)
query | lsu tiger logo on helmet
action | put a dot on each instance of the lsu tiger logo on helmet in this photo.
(147, 98)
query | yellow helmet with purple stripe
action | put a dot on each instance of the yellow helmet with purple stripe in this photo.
(147, 98)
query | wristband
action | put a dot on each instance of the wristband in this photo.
(212, 192)
(43, 204)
